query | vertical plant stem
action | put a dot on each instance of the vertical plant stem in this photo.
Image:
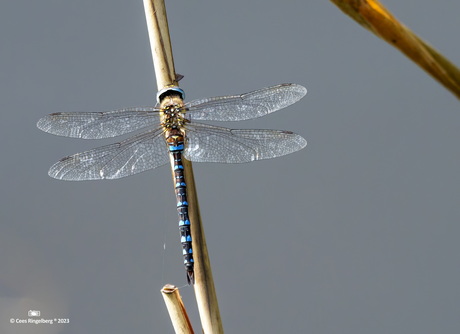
(163, 62)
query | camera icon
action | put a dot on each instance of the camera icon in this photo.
(33, 313)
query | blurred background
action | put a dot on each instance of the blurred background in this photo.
(357, 233)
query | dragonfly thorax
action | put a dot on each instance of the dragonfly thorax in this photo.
(173, 113)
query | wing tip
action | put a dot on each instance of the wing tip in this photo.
(41, 123)
(300, 89)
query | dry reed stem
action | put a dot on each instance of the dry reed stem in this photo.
(205, 293)
(372, 15)
(176, 310)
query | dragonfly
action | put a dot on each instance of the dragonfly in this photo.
(169, 130)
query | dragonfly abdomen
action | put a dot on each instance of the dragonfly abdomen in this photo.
(175, 142)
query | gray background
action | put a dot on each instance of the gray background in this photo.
(358, 233)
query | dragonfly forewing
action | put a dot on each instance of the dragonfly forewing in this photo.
(245, 106)
(97, 125)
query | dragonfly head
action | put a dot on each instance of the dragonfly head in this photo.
(168, 91)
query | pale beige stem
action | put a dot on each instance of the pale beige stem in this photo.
(176, 310)
(205, 292)
(160, 43)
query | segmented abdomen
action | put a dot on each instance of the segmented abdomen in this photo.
(175, 142)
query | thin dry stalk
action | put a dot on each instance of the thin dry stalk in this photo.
(372, 15)
(205, 293)
(176, 310)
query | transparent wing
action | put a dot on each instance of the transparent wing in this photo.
(245, 106)
(134, 155)
(97, 125)
(206, 143)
